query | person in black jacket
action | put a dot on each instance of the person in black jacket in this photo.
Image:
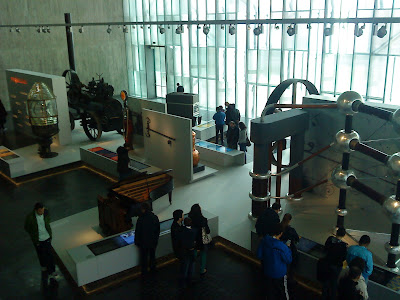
(146, 237)
(290, 237)
(200, 222)
(347, 286)
(336, 251)
(266, 222)
(176, 229)
(123, 163)
(232, 135)
(187, 238)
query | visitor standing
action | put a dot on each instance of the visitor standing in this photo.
(187, 239)
(123, 163)
(361, 251)
(290, 237)
(232, 114)
(200, 223)
(179, 88)
(332, 264)
(146, 237)
(176, 229)
(361, 285)
(347, 286)
(243, 139)
(275, 257)
(232, 135)
(266, 222)
(219, 118)
(37, 225)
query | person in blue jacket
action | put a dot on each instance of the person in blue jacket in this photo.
(219, 118)
(275, 256)
(361, 251)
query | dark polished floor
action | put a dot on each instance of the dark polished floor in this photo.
(66, 194)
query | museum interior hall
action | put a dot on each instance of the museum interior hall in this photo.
(199, 149)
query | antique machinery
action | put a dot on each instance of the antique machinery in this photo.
(94, 105)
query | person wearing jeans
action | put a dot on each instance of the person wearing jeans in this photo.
(37, 224)
(219, 118)
(199, 222)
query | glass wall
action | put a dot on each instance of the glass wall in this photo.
(243, 68)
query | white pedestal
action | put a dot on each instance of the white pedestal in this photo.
(219, 155)
(11, 164)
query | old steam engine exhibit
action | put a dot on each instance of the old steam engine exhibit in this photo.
(152, 120)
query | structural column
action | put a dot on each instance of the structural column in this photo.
(393, 248)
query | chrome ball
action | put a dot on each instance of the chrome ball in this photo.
(394, 162)
(396, 121)
(392, 249)
(341, 211)
(339, 177)
(343, 139)
(392, 208)
(346, 100)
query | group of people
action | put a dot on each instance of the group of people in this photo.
(187, 236)
(237, 131)
(350, 282)
(277, 251)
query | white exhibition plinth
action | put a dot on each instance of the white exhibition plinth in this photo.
(72, 235)
(219, 155)
(206, 131)
(11, 164)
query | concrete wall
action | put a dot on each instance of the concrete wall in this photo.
(96, 51)
(178, 154)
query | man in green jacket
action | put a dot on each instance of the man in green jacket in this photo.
(37, 224)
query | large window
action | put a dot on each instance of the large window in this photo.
(244, 68)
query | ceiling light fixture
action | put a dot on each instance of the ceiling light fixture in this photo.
(17, 30)
(48, 29)
(276, 26)
(179, 29)
(206, 29)
(81, 29)
(358, 31)
(382, 31)
(109, 29)
(223, 27)
(43, 29)
(328, 31)
(291, 30)
(162, 30)
(232, 29)
(38, 30)
(258, 30)
(125, 29)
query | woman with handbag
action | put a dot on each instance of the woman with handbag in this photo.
(203, 237)
(244, 141)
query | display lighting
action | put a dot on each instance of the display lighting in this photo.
(162, 30)
(38, 30)
(80, 29)
(308, 26)
(11, 30)
(258, 30)
(232, 29)
(133, 26)
(276, 26)
(109, 29)
(328, 31)
(223, 27)
(125, 29)
(198, 27)
(17, 30)
(48, 29)
(381, 31)
(44, 30)
(291, 30)
(179, 29)
(206, 29)
(358, 31)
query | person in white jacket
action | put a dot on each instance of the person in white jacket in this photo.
(361, 284)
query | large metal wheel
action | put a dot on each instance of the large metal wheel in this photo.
(73, 84)
(72, 121)
(92, 126)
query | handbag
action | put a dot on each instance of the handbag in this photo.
(205, 237)
(248, 143)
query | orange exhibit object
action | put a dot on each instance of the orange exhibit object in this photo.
(19, 80)
(196, 155)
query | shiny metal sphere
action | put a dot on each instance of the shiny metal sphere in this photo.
(394, 162)
(392, 208)
(341, 211)
(392, 249)
(396, 121)
(339, 177)
(343, 139)
(346, 100)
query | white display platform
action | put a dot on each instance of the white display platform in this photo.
(73, 234)
(108, 165)
(206, 131)
(219, 155)
(11, 164)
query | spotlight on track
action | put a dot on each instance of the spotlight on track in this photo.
(291, 30)
(38, 30)
(328, 31)
(258, 30)
(223, 27)
(308, 26)
(81, 29)
(162, 30)
(44, 30)
(232, 29)
(125, 29)
(381, 31)
(198, 26)
(276, 26)
(109, 29)
(206, 29)
(17, 30)
(358, 31)
(179, 29)
(48, 29)
(11, 29)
